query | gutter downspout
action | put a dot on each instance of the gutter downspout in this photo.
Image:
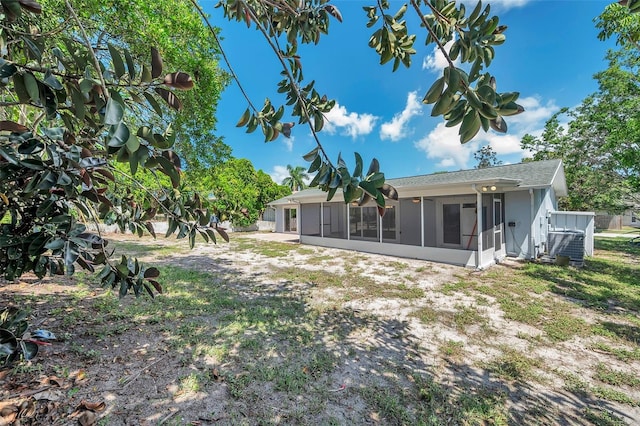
(479, 227)
(532, 226)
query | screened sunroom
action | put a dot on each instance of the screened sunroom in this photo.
(436, 216)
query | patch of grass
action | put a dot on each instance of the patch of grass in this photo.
(452, 349)
(576, 385)
(290, 379)
(622, 354)
(352, 286)
(466, 316)
(614, 395)
(603, 418)
(192, 383)
(524, 311)
(438, 405)
(390, 405)
(513, 365)
(564, 326)
(266, 248)
(462, 286)
(426, 314)
(529, 338)
(630, 333)
(616, 377)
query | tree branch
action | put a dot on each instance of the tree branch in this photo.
(96, 63)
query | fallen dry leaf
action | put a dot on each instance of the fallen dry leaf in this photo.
(92, 406)
(87, 418)
(8, 414)
(50, 395)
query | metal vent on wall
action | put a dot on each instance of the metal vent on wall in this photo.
(567, 243)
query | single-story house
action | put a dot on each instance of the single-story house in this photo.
(470, 217)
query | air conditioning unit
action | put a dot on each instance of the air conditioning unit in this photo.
(567, 243)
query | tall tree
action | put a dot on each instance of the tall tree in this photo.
(296, 179)
(241, 192)
(486, 157)
(176, 29)
(72, 105)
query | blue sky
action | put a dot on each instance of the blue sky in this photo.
(550, 57)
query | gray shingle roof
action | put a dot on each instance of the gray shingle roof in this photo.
(530, 174)
(533, 174)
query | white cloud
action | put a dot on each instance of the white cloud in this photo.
(348, 123)
(500, 5)
(534, 113)
(279, 173)
(288, 142)
(443, 143)
(396, 128)
(436, 62)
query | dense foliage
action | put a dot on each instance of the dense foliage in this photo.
(73, 104)
(600, 143)
(237, 191)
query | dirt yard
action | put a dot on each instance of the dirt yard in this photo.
(273, 332)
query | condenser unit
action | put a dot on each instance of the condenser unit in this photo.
(567, 243)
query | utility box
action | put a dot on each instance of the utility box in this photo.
(567, 243)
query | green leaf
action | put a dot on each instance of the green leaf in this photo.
(130, 64)
(132, 143)
(51, 81)
(443, 105)
(369, 187)
(114, 112)
(55, 244)
(20, 88)
(154, 104)
(32, 87)
(244, 119)
(156, 63)
(32, 48)
(118, 63)
(374, 167)
(169, 169)
(78, 104)
(146, 74)
(7, 70)
(315, 165)
(8, 155)
(146, 133)
(118, 135)
(311, 155)
(357, 172)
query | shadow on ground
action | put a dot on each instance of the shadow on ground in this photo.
(224, 346)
